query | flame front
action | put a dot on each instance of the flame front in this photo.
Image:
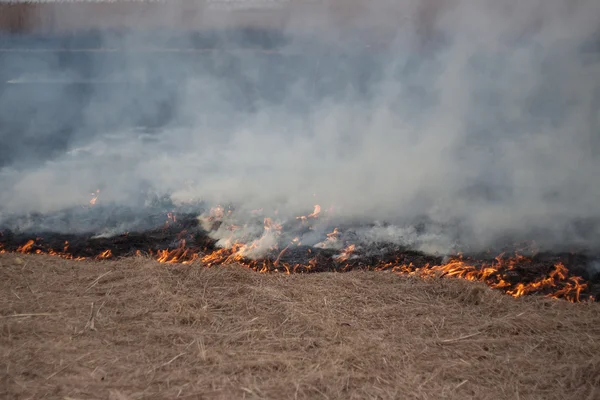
(556, 284)
(31, 247)
(517, 275)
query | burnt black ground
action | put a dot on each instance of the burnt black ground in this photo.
(184, 233)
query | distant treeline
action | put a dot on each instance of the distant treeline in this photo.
(52, 17)
(16, 17)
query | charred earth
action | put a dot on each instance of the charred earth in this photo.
(181, 238)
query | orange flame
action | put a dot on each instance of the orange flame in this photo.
(104, 255)
(557, 283)
(181, 254)
(316, 212)
(333, 235)
(346, 253)
(270, 225)
(95, 197)
(26, 248)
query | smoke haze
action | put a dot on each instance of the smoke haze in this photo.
(472, 125)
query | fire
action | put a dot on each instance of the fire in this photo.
(267, 242)
(516, 275)
(334, 234)
(281, 253)
(331, 241)
(223, 256)
(94, 198)
(558, 282)
(314, 214)
(217, 212)
(104, 255)
(26, 248)
(346, 253)
(573, 286)
(270, 225)
(180, 255)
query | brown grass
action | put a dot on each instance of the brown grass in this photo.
(135, 329)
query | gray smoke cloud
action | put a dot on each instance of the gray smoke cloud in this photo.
(479, 119)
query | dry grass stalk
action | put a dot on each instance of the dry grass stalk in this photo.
(169, 331)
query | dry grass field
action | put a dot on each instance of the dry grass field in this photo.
(137, 329)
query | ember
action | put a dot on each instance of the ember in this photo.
(183, 240)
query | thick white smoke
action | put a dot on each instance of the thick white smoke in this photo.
(481, 118)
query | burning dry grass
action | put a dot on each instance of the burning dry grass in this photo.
(135, 328)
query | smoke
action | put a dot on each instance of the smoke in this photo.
(438, 125)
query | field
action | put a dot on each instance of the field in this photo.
(133, 329)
